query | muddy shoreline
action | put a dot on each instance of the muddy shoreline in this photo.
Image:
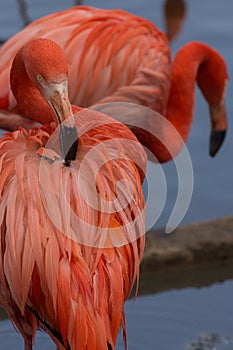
(194, 244)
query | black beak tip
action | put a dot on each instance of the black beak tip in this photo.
(109, 346)
(71, 155)
(216, 139)
(68, 143)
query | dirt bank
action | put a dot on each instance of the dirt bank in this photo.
(188, 245)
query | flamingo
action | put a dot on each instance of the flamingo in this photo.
(72, 224)
(127, 59)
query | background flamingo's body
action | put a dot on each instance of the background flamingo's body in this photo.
(126, 57)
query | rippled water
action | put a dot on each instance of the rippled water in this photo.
(196, 319)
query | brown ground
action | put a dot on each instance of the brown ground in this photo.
(192, 244)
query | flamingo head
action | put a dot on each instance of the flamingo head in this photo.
(47, 69)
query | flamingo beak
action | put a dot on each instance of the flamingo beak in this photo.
(219, 128)
(59, 102)
(216, 139)
(57, 97)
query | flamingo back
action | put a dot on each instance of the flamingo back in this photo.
(112, 56)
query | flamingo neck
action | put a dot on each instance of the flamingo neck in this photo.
(194, 62)
(30, 102)
(184, 73)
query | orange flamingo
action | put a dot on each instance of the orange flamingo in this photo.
(127, 59)
(72, 232)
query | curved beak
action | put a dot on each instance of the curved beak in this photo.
(219, 128)
(57, 97)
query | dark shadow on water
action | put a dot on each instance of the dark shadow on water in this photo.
(203, 275)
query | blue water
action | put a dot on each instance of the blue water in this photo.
(170, 320)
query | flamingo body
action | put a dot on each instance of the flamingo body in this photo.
(58, 274)
(72, 235)
(127, 59)
(119, 52)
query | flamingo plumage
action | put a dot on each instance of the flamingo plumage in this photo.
(72, 231)
(127, 59)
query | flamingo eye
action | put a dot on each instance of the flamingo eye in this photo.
(39, 78)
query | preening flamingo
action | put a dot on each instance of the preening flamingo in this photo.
(127, 59)
(72, 232)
